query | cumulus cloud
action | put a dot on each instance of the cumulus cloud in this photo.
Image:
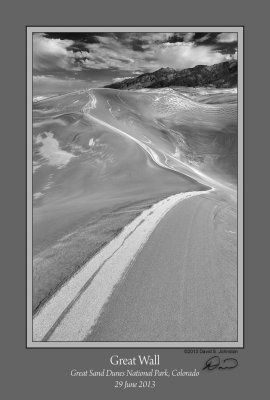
(109, 54)
(187, 55)
(227, 37)
(114, 54)
(51, 54)
(133, 52)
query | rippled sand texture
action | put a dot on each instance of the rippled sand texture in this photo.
(101, 156)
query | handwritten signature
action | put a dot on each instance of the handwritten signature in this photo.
(216, 363)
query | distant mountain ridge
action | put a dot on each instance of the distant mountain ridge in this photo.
(222, 75)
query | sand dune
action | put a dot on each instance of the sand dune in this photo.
(102, 156)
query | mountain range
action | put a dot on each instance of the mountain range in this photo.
(222, 75)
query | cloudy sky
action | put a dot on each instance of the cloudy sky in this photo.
(68, 61)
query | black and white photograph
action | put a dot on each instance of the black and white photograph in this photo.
(135, 187)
